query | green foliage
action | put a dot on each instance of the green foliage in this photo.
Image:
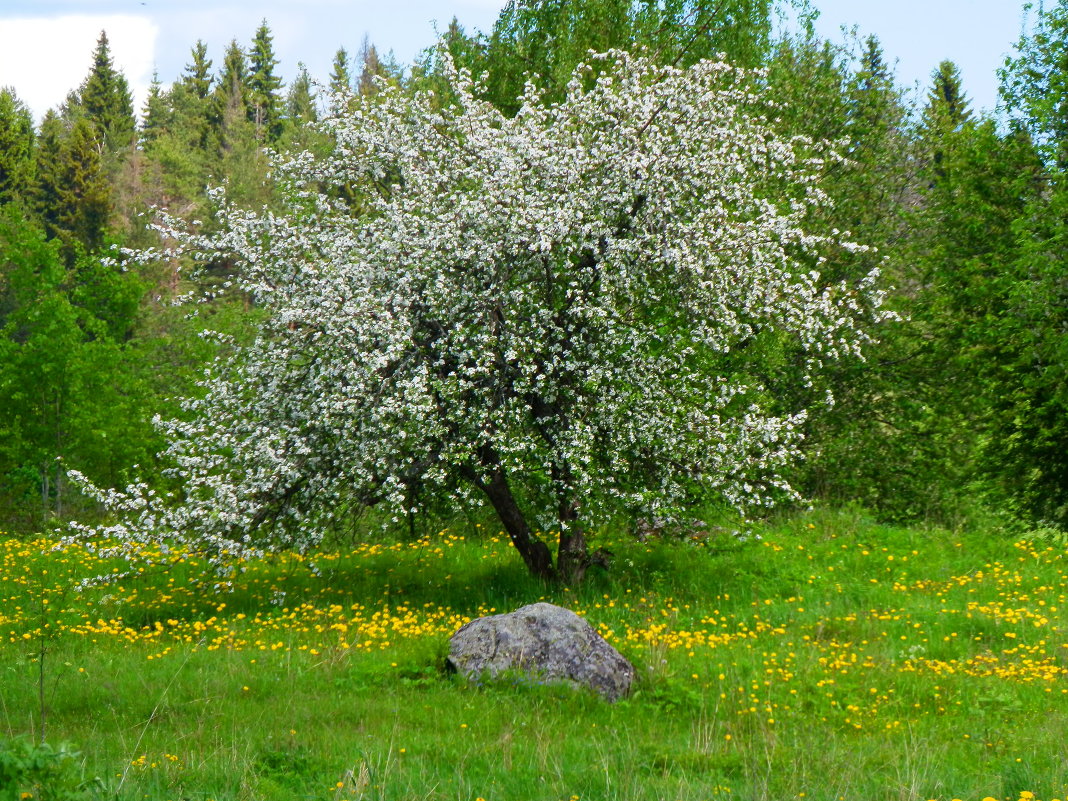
(340, 76)
(73, 194)
(16, 148)
(846, 93)
(1029, 447)
(946, 111)
(947, 105)
(1034, 84)
(264, 102)
(43, 772)
(373, 67)
(67, 396)
(230, 100)
(157, 114)
(105, 99)
(548, 38)
(1028, 345)
(179, 137)
(197, 77)
(302, 109)
(300, 102)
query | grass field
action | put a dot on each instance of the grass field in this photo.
(830, 659)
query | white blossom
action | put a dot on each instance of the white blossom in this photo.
(557, 298)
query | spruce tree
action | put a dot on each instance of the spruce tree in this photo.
(73, 193)
(106, 100)
(946, 100)
(297, 133)
(192, 101)
(340, 77)
(157, 115)
(231, 97)
(47, 179)
(300, 103)
(1029, 446)
(197, 75)
(872, 90)
(180, 155)
(239, 153)
(947, 109)
(373, 66)
(264, 109)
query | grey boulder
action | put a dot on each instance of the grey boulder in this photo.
(546, 642)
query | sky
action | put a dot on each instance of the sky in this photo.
(46, 46)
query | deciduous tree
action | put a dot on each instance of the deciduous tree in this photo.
(67, 397)
(541, 311)
(1029, 446)
(543, 40)
(16, 148)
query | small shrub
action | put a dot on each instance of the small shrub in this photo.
(42, 772)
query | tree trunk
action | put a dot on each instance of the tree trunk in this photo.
(46, 492)
(535, 553)
(59, 489)
(572, 557)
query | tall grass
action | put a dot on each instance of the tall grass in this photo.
(832, 658)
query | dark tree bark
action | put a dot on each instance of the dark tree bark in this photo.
(572, 556)
(535, 553)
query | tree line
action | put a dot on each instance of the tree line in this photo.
(958, 409)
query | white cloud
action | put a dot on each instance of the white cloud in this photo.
(45, 58)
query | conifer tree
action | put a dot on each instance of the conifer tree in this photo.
(947, 109)
(73, 195)
(16, 147)
(197, 75)
(870, 95)
(862, 448)
(340, 77)
(192, 101)
(239, 152)
(157, 114)
(946, 101)
(46, 170)
(181, 154)
(300, 102)
(231, 97)
(1029, 446)
(264, 107)
(298, 132)
(372, 67)
(106, 100)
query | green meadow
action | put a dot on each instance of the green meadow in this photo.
(828, 658)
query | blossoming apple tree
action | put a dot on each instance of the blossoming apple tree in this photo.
(540, 312)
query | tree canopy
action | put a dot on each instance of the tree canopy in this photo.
(548, 312)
